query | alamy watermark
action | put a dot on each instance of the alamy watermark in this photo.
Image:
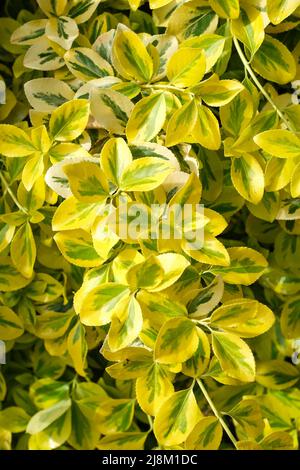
(138, 221)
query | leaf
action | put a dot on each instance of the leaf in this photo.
(248, 178)
(42, 56)
(237, 114)
(181, 124)
(235, 356)
(295, 182)
(246, 266)
(186, 67)
(81, 11)
(280, 143)
(206, 435)
(278, 441)
(86, 64)
(87, 181)
(277, 374)
(10, 278)
(248, 415)
(198, 363)
(6, 234)
(173, 266)
(14, 419)
(46, 94)
(206, 131)
(152, 388)
(123, 441)
(146, 275)
(126, 324)
(206, 299)
(53, 436)
(42, 419)
(52, 8)
(176, 418)
(115, 157)
(177, 341)
(147, 119)
(14, 142)
(78, 348)
(111, 109)
(219, 93)
(33, 170)
(69, 120)
(249, 28)
(145, 174)
(11, 326)
(101, 303)
(73, 214)
(274, 62)
(290, 319)
(278, 10)
(47, 392)
(244, 317)
(83, 433)
(23, 250)
(212, 251)
(226, 8)
(211, 44)
(62, 30)
(29, 33)
(192, 19)
(115, 416)
(130, 56)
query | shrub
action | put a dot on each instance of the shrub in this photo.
(109, 108)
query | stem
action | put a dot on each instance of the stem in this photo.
(167, 87)
(258, 84)
(216, 413)
(9, 191)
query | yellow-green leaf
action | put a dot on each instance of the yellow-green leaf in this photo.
(86, 64)
(211, 44)
(249, 28)
(130, 56)
(14, 142)
(274, 62)
(278, 10)
(73, 214)
(177, 341)
(248, 178)
(197, 364)
(69, 120)
(115, 157)
(182, 123)
(78, 348)
(206, 435)
(14, 419)
(277, 374)
(235, 356)
(280, 143)
(152, 388)
(186, 67)
(145, 174)
(88, 182)
(290, 319)
(147, 119)
(246, 266)
(244, 317)
(176, 418)
(23, 250)
(226, 8)
(101, 303)
(126, 324)
(11, 326)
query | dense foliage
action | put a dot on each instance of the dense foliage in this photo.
(113, 104)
